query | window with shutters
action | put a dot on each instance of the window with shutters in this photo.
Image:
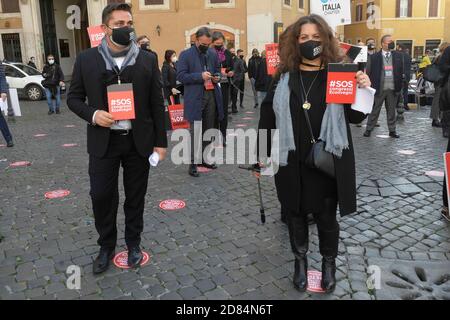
(287, 3)
(404, 8)
(10, 6)
(154, 4)
(220, 4)
(433, 8)
(359, 13)
(301, 4)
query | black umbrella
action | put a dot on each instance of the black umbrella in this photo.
(257, 169)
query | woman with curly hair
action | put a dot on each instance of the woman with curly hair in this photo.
(306, 48)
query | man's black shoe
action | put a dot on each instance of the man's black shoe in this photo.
(367, 134)
(58, 111)
(193, 171)
(209, 166)
(10, 144)
(242, 107)
(50, 113)
(234, 111)
(135, 257)
(101, 264)
(394, 135)
(436, 124)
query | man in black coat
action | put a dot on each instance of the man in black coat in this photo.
(253, 65)
(127, 143)
(386, 73)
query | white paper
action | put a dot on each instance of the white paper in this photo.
(365, 98)
(14, 98)
(335, 12)
(4, 107)
(154, 159)
(362, 56)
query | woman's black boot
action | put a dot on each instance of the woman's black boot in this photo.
(329, 274)
(298, 234)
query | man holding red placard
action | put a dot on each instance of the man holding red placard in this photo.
(116, 88)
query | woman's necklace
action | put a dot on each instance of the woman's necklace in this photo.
(307, 104)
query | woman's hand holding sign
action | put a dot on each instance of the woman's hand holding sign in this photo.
(363, 80)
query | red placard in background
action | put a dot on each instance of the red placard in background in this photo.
(176, 114)
(341, 83)
(96, 35)
(447, 168)
(272, 58)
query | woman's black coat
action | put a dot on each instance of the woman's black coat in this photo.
(169, 77)
(288, 177)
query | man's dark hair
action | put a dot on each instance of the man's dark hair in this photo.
(203, 32)
(240, 51)
(168, 55)
(217, 35)
(110, 8)
(384, 37)
(369, 39)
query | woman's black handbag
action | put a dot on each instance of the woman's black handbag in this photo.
(319, 158)
(432, 73)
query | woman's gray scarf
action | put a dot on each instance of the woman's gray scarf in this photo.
(333, 131)
(131, 53)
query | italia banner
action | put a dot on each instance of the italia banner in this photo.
(335, 12)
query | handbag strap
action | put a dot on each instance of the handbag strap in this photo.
(308, 122)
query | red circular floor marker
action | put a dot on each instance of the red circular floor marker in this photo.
(121, 260)
(250, 112)
(172, 205)
(247, 118)
(57, 194)
(20, 164)
(70, 145)
(40, 135)
(315, 282)
(202, 169)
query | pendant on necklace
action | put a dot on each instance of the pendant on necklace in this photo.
(307, 105)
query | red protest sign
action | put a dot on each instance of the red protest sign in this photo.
(272, 58)
(341, 87)
(176, 114)
(315, 282)
(96, 35)
(447, 168)
(121, 101)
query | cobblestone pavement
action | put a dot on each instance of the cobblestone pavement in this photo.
(216, 247)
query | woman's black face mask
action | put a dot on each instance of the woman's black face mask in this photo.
(311, 49)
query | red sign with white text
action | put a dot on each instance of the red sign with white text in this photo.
(341, 83)
(121, 101)
(447, 168)
(272, 58)
(96, 35)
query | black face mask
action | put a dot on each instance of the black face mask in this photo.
(218, 47)
(123, 36)
(311, 49)
(242, 57)
(203, 49)
(371, 47)
(145, 46)
(391, 46)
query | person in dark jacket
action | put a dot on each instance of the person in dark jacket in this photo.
(238, 81)
(53, 81)
(118, 62)
(386, 74)
(253, 64)
(32, 62)
(302, 189)
(226, 67)
(169, 77)
(444, 66)
(144, 43)
(199, 71)
(262, 78)
(4, 95)
(406, 63)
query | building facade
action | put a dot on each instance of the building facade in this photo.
(418, 24)
(35, 28)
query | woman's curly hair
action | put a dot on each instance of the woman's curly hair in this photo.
(290, 56)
